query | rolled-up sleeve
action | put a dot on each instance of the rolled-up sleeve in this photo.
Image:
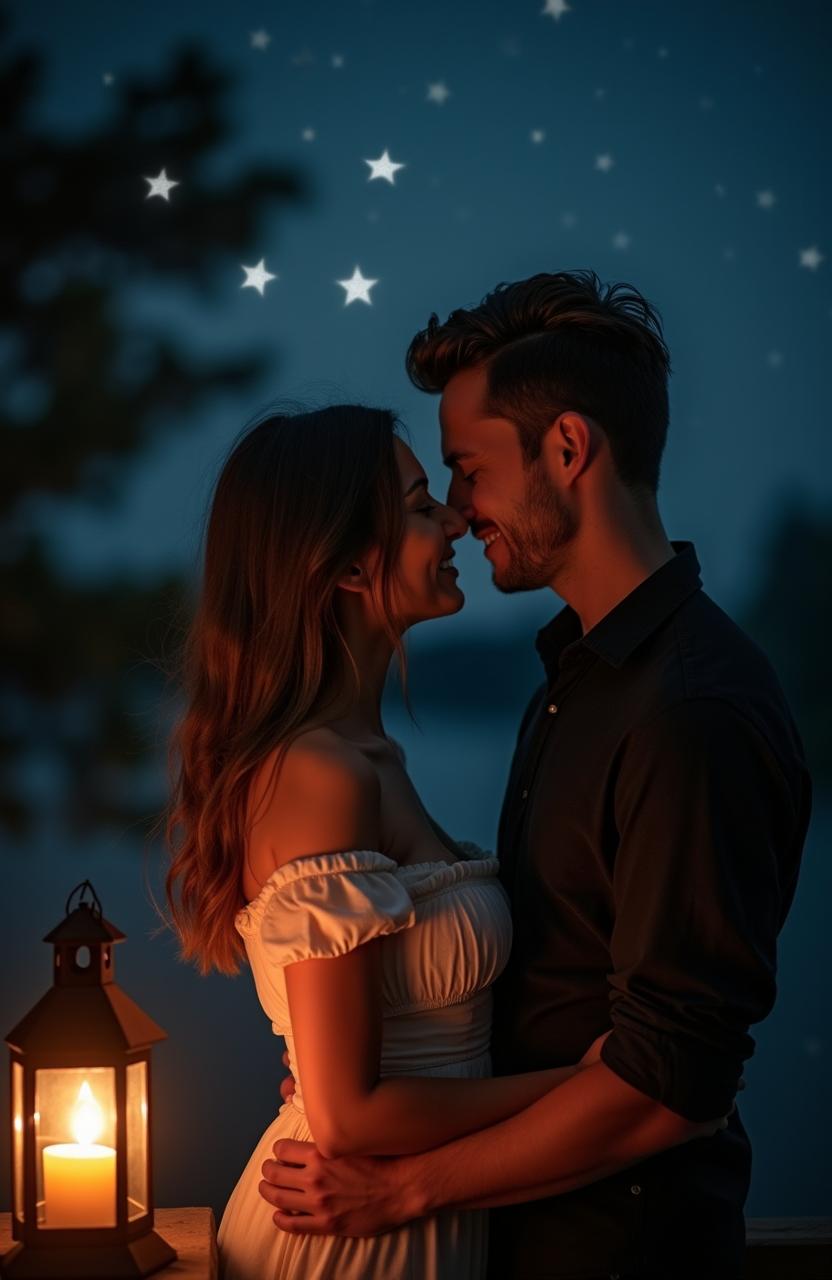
(705, 818)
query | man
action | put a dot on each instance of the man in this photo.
(652, 828)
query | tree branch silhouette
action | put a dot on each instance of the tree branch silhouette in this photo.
(87, 389)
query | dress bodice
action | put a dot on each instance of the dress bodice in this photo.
(446, 930)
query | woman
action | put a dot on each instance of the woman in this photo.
(297, 837)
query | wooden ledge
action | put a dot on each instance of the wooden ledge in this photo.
(192, 1233)
(788, 1248)
(778, 1248)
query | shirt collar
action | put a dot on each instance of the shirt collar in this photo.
(637, 616)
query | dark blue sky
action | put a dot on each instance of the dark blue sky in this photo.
(715, 116)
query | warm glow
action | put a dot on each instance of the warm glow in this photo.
(18, 1124)
(87, 1118)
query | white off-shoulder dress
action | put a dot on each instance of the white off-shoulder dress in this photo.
(447, 935)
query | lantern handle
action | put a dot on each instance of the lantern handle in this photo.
(95, 905)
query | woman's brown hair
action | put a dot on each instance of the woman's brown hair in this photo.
(299, 498)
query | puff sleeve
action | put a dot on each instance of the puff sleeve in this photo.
(327, 904)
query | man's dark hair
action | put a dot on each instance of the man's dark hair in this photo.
(558, 342)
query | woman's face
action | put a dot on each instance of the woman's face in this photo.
(425, 584)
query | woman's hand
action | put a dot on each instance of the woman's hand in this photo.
(287, 1084)
(593, 1053)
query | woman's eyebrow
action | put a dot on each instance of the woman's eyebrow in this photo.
(423, 480)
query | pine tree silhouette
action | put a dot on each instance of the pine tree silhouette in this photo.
(86, 388)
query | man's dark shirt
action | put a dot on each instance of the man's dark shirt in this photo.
(650, 841)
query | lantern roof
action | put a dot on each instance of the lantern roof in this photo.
(95, 1016)
(102, 1019)
(84, 925)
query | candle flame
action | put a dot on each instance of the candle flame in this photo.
(87, 1118)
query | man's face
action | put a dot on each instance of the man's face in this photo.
(516, 511)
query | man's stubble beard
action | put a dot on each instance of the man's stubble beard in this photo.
(535, 541)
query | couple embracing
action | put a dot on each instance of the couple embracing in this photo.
(520, 1064)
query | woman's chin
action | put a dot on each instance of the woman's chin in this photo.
(456, 604)
(451, 602)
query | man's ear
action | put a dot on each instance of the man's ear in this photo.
(569, 446)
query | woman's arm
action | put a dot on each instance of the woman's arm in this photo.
(335, 1006)
(328, 798)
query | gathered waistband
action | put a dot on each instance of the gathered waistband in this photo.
(452, 1041)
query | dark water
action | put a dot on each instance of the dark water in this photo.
(216, 1076)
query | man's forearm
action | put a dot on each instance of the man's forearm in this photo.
(583, 1131)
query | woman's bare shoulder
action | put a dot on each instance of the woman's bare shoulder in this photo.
(325, 797)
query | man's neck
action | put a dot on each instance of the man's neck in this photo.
(605, 562)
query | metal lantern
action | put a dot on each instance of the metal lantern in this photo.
(82, 1202)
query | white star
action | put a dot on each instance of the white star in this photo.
(260, 39)
(308, 135)
(765, 199)
(384, 167)
(257, 277)
(538, 135)
(600, 94)
(706, 103)
(568, 220)
(108, 78)
(663, 52)
(337, 61)
(775, 359)
(438, 92)
(720, 190)
(555, 9)
(729, 254)
(811, 257)
(357, 288)
(604, 162)
(621, 240)
(160, 186)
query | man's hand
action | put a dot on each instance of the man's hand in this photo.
(348, 1196)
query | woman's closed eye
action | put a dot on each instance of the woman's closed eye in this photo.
(469, 479)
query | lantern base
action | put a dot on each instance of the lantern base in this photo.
(140, 1257)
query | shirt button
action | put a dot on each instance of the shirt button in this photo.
(635, 1189)
(524, 794)
(552, 708)
(614, 1275)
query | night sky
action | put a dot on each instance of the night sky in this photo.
(679, 147)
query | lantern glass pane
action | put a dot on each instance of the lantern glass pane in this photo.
(75, 1146)
(137, 1179)
(17, 1148)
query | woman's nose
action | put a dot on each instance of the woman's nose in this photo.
(456, 522)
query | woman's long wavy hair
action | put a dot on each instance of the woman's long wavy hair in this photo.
(299, 498)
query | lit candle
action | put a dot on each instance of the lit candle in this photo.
(79, 1178)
